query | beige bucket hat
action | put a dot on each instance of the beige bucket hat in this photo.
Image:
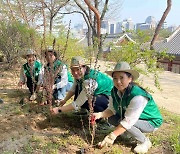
(124, 67)
(28, 52)
(77, 61)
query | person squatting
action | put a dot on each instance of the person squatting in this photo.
(130, 107)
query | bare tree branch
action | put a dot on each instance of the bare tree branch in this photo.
(96, 12)
(22, 10)
(64, 4)
(104, 9)
(86, 14)
(53, 11)
(9, 5)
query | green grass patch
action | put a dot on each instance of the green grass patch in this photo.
(169, 132)
(75, 140)
(175, 141)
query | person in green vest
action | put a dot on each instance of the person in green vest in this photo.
(131, 109)
(31, 73)
(88, 82)
(1, 101)
(56, 71)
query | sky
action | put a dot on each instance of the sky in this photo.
(139, 10)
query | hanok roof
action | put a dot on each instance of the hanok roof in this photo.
(111, 38)
(170, 44)
(117, 38)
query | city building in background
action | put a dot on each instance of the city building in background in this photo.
(111, 27)
(150, 23)
(172, 28)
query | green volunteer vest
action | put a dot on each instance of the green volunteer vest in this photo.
(70, 78)
(150, 113)
(105, 83)
(57, 63)
(35, 72)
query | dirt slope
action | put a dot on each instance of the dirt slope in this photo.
(21, 127)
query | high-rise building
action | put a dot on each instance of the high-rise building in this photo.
(150, 23)
(126, 24)
(172, 28)
(129, 24)
(108, 26)
(118, 27)
(143, 26)
(164, 25)
(105, 26)
(112, 28)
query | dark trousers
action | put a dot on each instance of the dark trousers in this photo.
(100, 103)
(31, 86)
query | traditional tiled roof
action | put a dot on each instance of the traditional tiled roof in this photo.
(123, 37)
(171, 44)
(111, 38)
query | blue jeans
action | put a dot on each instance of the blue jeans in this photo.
(61, 92)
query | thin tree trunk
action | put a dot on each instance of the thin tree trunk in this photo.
(169, 3)
(89, 36)
(53, 12)
(44, 23)
(22, 10)
(96, 12)
(50, 25)
(102, 17)
(9, 5)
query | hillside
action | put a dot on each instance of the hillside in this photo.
(29, 128)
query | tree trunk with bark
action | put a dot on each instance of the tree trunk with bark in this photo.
(158, 28)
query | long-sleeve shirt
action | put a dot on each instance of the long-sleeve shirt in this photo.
(133, 111)
(90, 86)
(64, 78)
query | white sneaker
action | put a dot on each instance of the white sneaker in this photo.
(33, 97)
(143, 147)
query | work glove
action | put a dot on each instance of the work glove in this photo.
(98, 115)
(108, 140)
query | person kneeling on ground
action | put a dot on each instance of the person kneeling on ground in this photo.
(31, 73)
(57, 72)
(88, 82)
(130, 109)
